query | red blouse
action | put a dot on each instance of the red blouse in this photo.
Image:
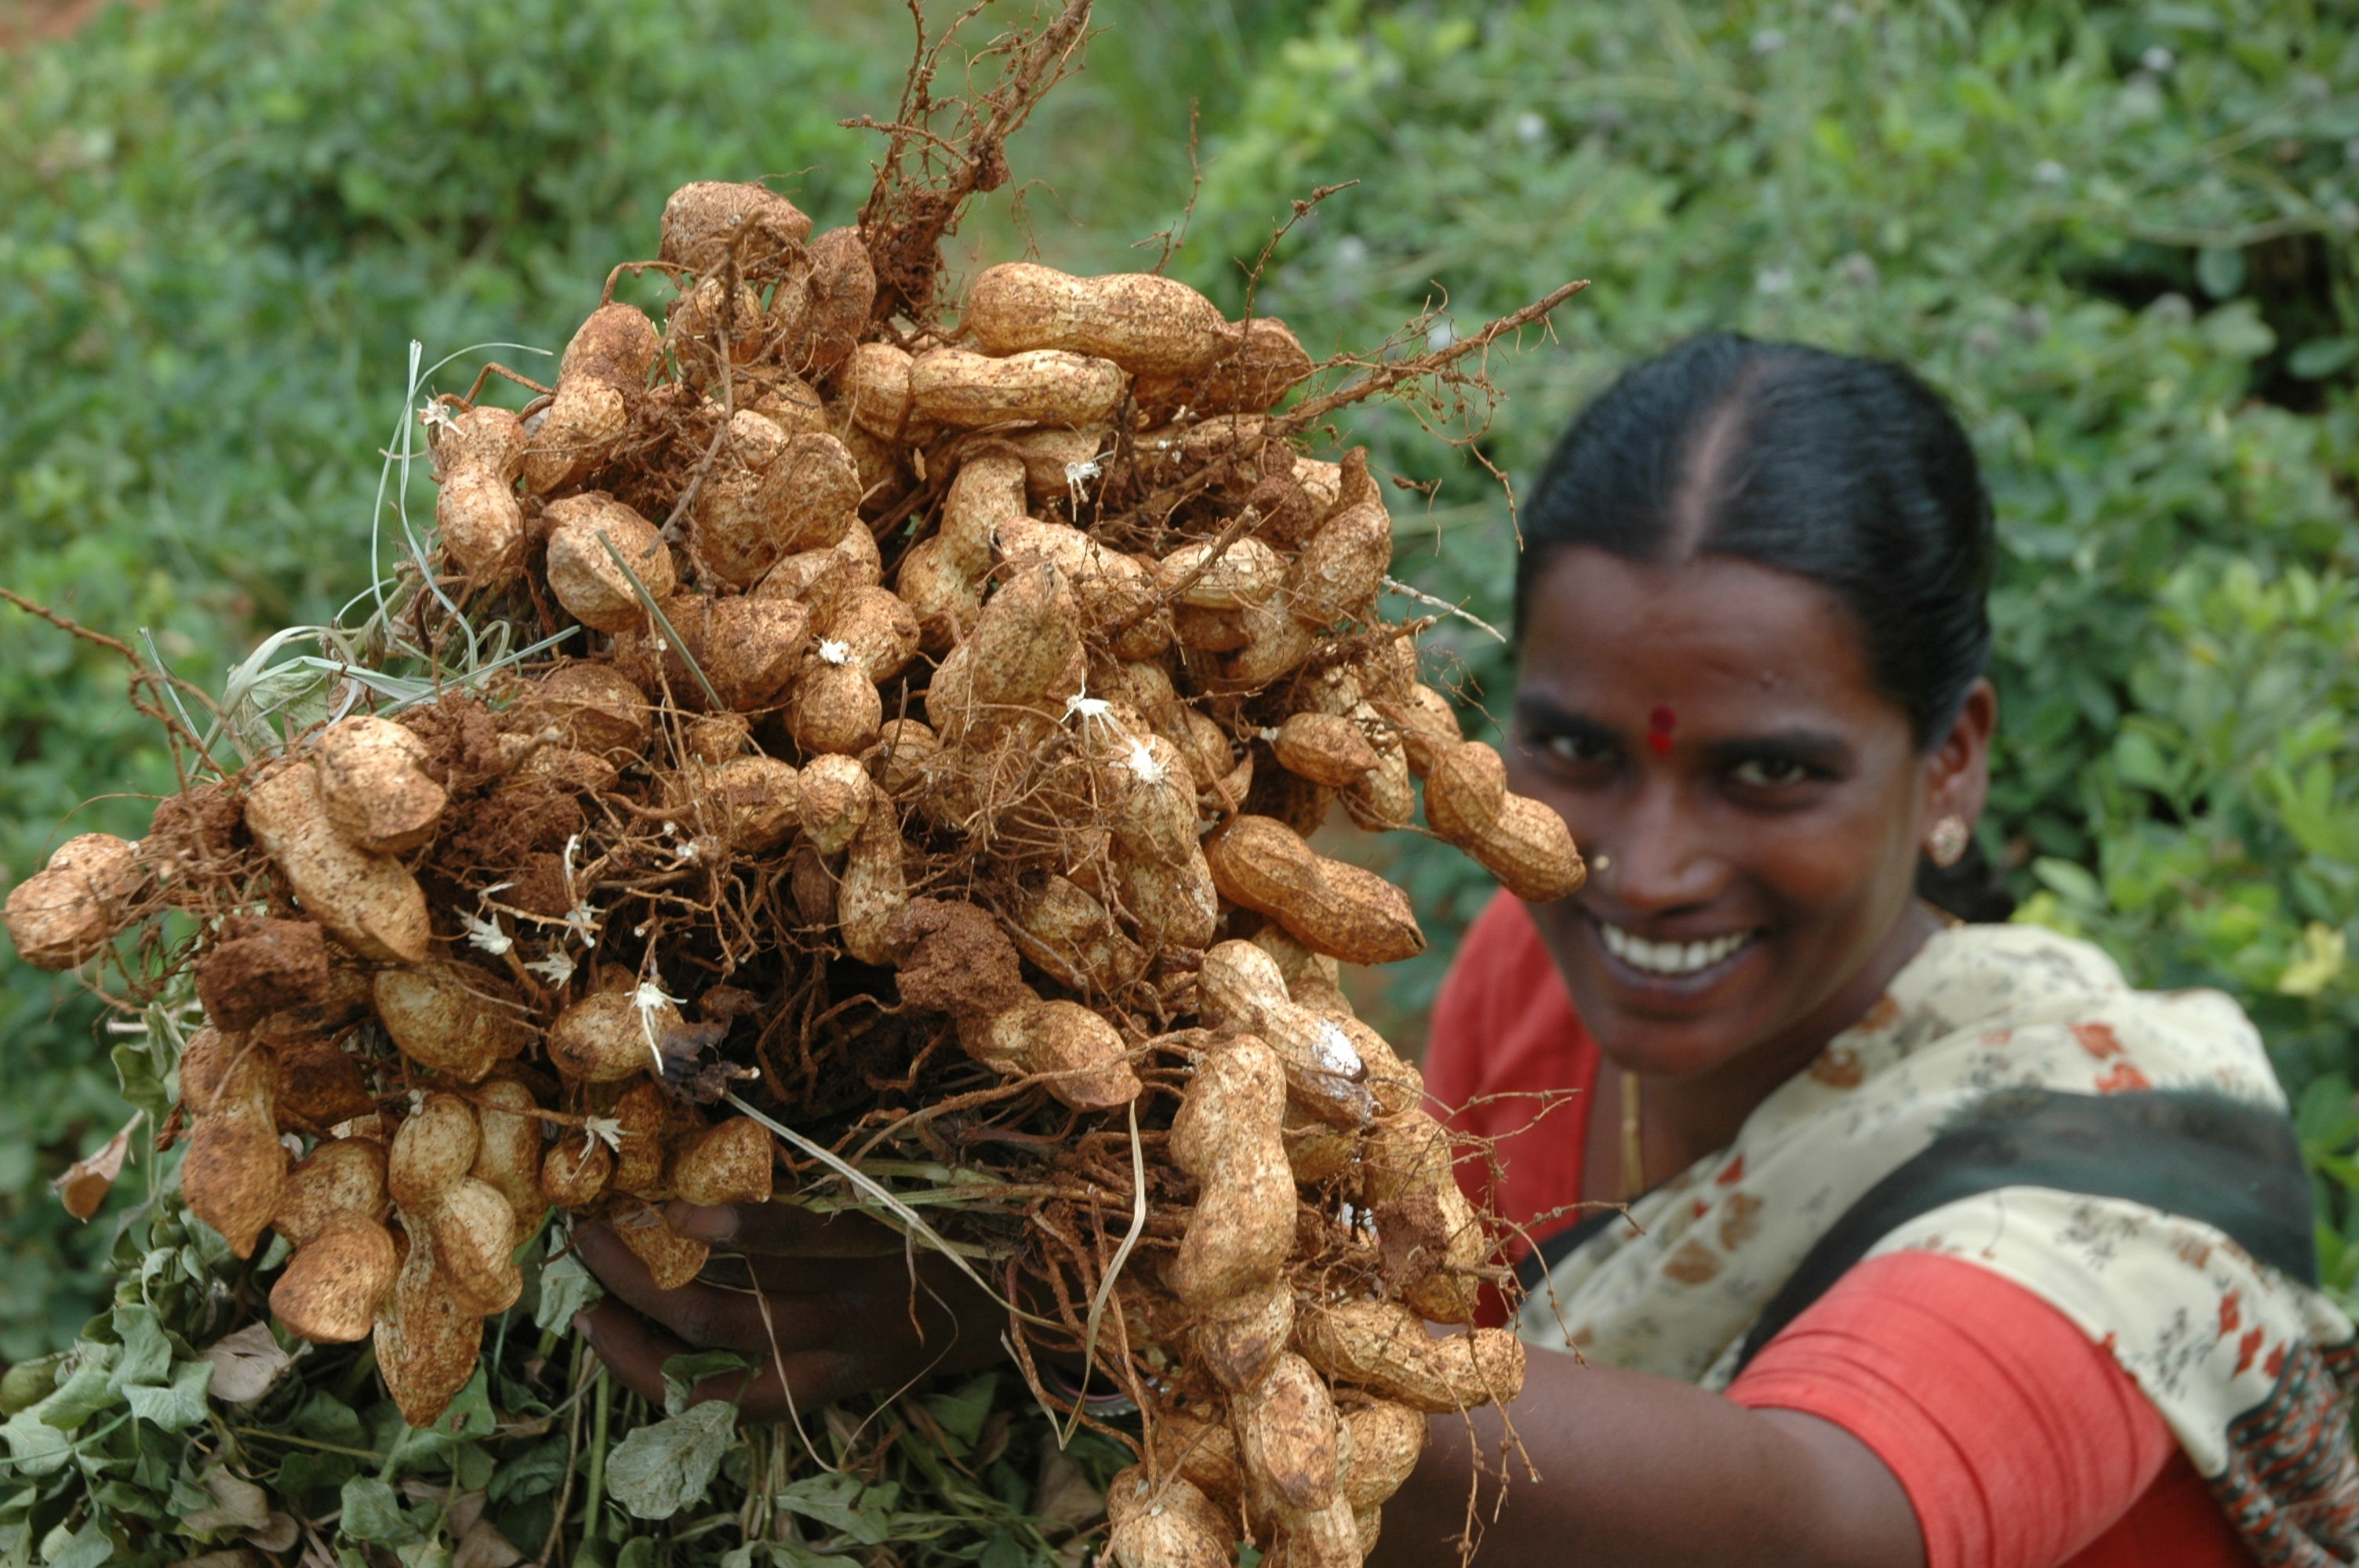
(2020, 1442)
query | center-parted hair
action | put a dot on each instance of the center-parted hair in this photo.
(1849, 472)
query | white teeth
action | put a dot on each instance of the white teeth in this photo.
(1670, 957)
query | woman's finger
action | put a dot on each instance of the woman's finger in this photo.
(709, 1315)
(632, 1349)
(783, 1229)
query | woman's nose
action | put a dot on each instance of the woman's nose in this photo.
(1662, 859)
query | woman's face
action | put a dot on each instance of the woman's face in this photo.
(1710, 733)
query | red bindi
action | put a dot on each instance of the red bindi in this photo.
(1660, 722)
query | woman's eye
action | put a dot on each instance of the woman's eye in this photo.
(1768, 771)
(1580, 749)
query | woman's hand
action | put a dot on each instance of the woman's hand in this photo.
(823, 1306)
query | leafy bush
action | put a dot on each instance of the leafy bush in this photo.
(2121, 238)
(226, 223)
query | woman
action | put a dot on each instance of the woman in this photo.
(1952, 1248)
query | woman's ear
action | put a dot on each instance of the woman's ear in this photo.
(1957, 770)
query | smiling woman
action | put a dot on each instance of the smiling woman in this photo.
(1952, 1247)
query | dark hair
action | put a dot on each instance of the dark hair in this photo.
(1849, 472)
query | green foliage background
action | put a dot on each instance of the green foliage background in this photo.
(2121, 236)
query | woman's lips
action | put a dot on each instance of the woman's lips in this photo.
(1671, 968)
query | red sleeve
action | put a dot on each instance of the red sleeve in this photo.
(1502, 1052)
(2018, 1440)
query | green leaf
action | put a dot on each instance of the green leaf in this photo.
(2070, 882)
(373, 1514)
(177, 1405)
(34, 1447)
(963, 1410)
(146, 1351)
(662, 1468)
(566, 1288)
(2220, 270)
(682, 1374)
(2322, 357)
(1003, 1550)
(88, 1389)
(91, 1548)
(839, 1502)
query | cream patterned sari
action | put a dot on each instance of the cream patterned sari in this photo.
(2013, 1102)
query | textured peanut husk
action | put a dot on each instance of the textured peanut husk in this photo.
(1045, 386)
(1336, 577)
(592, 707)
(368, 902)
(333, 1287)
(433, 1152)
(608, 1037)
(759, 799)
(341, 1179)
(427, 1344)
(473, 1233)
(1384, 1347)
(508, 1155)
(478, 457)
(1386, 1441)
(235, 1169)
(453, 1017)
(1080, 1054)
(729, 1163)
(1328, 905)
(707, 223)
(1229, 1136)
(1166, 1524)
(1324, 747)
(72, 907)
(1145, 323)
(593, 582)
(836, 794)
(575, 1171)
(672, 1259)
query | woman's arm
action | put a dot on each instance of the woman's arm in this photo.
(1633, 1469)
(1639, 1470)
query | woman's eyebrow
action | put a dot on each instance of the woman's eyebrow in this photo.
(1538, 713)
(1813, 748)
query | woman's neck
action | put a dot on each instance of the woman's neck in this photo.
(1689, 1118)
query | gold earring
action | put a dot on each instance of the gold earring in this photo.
(1947, 843)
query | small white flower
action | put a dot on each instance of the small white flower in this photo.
(597, 1129)
(2157, 59)
(1439, 336)
(486, 935)
(2047, 171)
(1531, 127)
(1142, 764)
(1351, 251)
(648, 998)
(558, 966)
(834, 651)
